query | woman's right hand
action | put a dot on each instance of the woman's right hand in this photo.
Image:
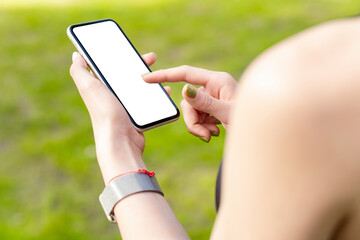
(206, 106)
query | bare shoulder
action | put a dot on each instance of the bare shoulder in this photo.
(292, 166)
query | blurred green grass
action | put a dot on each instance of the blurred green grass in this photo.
(49, 178)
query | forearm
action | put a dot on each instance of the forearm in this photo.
(145, 215)
(119, 149)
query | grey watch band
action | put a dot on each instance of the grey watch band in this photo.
(123, 186)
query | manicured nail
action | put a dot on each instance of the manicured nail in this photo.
(217, 122)
(204, 139)
(190, 91)
(74, 56)
(215, 134)
(144, 74)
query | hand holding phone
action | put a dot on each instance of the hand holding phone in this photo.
(115, 61)
(119, 146)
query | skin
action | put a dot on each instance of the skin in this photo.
(291, 167)
(214, 97)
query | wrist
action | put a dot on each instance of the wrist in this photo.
(117, 154)
(118, 160)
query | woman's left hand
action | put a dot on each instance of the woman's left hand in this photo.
(114, 133)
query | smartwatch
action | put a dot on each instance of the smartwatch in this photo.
(125, 185)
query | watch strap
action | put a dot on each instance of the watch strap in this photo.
(123, 186)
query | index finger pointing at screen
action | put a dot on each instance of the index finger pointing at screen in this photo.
(192, 75)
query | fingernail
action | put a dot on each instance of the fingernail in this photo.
(190, 91)
(204, 139)
(217, 122)
(215, 134)
(74, 56)
(144, 74)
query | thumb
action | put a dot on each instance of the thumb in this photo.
(203, 102)
(80, 73)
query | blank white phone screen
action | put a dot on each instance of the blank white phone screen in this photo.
(122, 68)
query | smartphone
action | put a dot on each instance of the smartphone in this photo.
(115, 61)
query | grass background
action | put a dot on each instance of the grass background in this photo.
(49, 178)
